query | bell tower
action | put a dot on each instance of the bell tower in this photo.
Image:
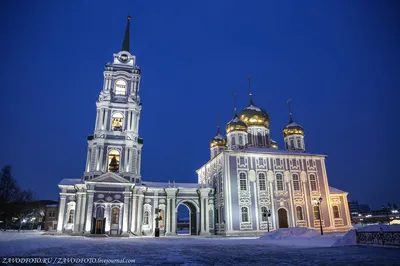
(115, 145)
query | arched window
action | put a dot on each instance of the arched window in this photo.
(240, 140)
(116, 123)
(296, 183)
(113, 161)
(316, 213)
(221, 185)
(146, 218)
(261, 181)
(115, 216)
(216, 216)
(250, 141)
(243, 181)
(259, 139)
(313, 182)
(71, 216)
(120, 87)
(298, 143)
(222, 215)
(299, 213)
(245, 214)
(286, 145)
(292, 144)
(279, 182)
(336, 212)
(264, 214)
(233, 140)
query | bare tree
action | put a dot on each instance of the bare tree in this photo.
(8, 185)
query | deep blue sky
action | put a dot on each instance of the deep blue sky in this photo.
(337, 60)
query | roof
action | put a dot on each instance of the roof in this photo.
(176, 185)
(70, 182)
(293, 124)
(333, 190)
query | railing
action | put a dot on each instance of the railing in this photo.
(379, 238)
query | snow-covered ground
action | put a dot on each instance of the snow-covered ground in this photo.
(290, 247)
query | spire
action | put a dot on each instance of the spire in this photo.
(125, 44)
(234, 105)
(290, 111)
(250, 93)
(218, 132)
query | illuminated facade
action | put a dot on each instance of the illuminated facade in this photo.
(246, 177)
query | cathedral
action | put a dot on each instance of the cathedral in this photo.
(248, 186)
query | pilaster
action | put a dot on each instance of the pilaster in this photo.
(89, 213)
(139, 220)
(171, 210)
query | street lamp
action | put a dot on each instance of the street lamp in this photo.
(267, 214)
(318, 202)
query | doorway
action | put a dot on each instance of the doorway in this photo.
(99, 226)
(283, 219)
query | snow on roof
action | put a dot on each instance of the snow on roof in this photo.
(272, 150)
(219, 136)
(70, 181)
(176, 185)
(293, 124)
(333, 190)
(253, 107)
(52, 205)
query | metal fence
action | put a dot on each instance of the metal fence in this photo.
(379, 238)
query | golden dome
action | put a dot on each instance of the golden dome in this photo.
(254, 116)
(218, 140)
(292, 129)
(236, 125)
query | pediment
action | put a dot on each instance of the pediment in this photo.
(110, 178)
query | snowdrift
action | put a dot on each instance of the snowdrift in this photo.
(285, 233)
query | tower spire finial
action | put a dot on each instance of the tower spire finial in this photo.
(250, 93)
(290, 110)
(218, 132)
(234, 105)
(125, 44)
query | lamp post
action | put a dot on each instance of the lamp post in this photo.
(318, 202)
(267, 214)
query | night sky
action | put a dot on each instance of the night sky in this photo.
(337, 60)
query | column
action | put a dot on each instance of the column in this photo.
(139, 160)
(154, 210)
(293, 211)
(107, 214)
(173, 209)
(127, 120)
(61, 214)
(125, 218)
(167, 225)
(207, 210)
(82, 216)
(133, 212)
(205, 226)
(88, 159)
(77, 213)
(97, 119)
(126, 159)
(101, 158)
(139, 220)
(100, 123)
(106, 120)
(273, 214)
(89, 213)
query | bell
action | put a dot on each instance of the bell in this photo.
(113, 166)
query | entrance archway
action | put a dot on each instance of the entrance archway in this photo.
(283, 219)
(188, 225)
